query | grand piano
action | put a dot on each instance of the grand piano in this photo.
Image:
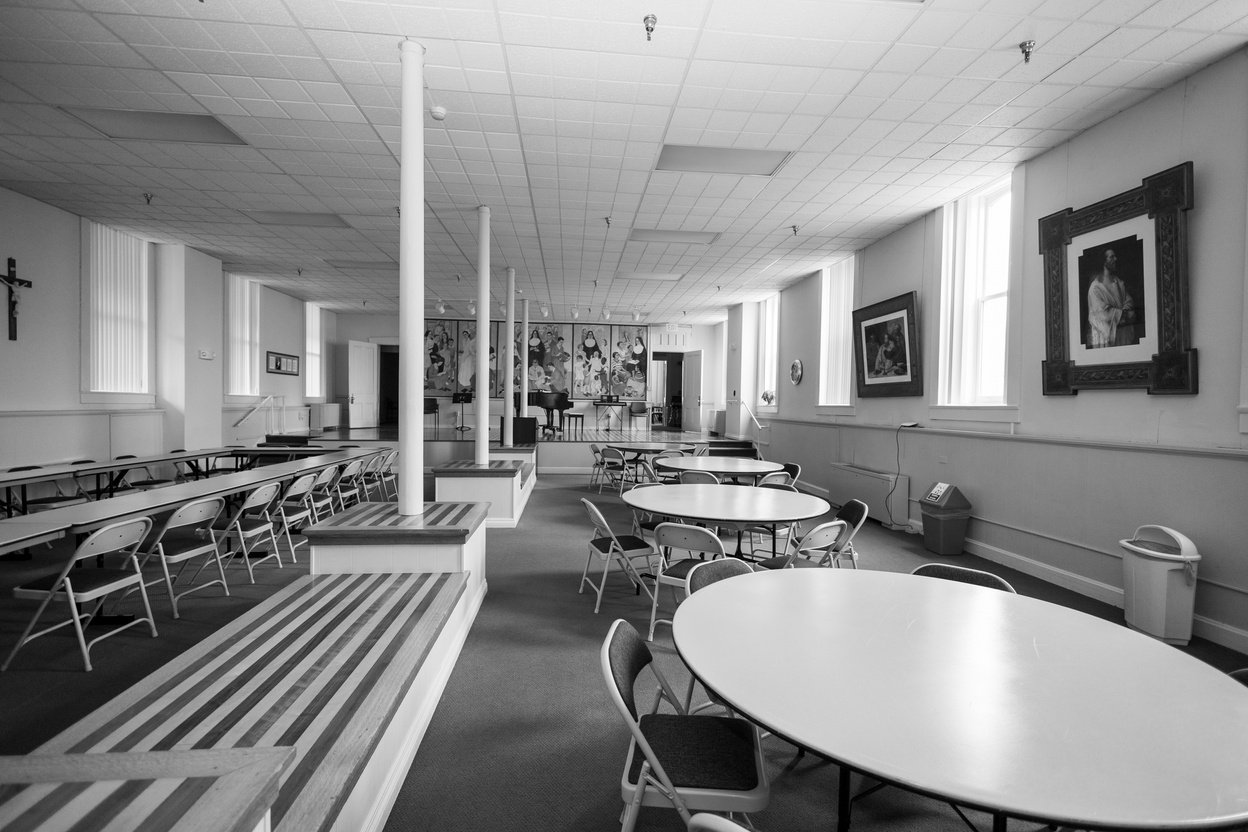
(550, 402)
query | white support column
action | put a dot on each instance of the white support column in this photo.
(509, 382)
(481, 453)
(411, 473)
(524, 357)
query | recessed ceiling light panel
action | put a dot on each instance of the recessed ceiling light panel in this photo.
(155, 126)
(670, 277)
(663, 235)
(731, 160)
(298, 218)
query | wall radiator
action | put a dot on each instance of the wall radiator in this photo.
(847, 482)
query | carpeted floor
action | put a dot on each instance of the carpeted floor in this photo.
(525, 737)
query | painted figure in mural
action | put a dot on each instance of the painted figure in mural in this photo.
(636, 361)
(537, 350)
(467, 360)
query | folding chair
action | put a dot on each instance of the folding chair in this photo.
(68, 493)
(386, 478)
(248, 526)
(609, 548)
(84, 586)
(678, 761)
(295, 509)
(149, 480)
(696, 543)
(816, 545)
(324, 492)
(348, 486)
(616, 469)
(854, 515)
(188, 536)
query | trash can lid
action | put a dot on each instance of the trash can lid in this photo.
(1161, 542)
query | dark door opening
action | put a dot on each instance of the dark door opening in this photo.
(388, 388)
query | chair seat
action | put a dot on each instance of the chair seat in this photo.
(700, 752)
(251, 526)
(180, 543)
(85, 582)
(679, 570)
(632, 544)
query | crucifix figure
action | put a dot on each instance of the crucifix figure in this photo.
(13, 284)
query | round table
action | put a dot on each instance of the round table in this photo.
(727, 466)
(736, 505)
(991, 700)
(648, 447)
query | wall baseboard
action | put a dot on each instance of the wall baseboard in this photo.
(1220, 633)
(1096, 590)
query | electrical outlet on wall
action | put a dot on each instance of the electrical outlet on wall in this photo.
(207, 355)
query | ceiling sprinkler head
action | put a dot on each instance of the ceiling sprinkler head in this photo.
(649, 20)
(1026, 47)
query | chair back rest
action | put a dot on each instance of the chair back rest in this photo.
(793, 470)
(854, 513)
(964, 575)
(824, 538)
(706, 822)
(624, 655)
(351, 471)
(199, 514)
(702, 450)
(613, 456)
(115, 537)
(694, 477)
(776, 478)
(1240, 675)
(326, 478)
(261, 497)
(637, 408)
(645, 473)
(601, 527)
(779, 486)
(301, 486)
(688, 538)
(669, 453)
(713, 571)
(431, 405)
(25, 468)
(596, 451)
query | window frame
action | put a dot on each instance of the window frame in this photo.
(837, 304)
(91, 284)
(767, 363)
(313, 352)
(242, 338)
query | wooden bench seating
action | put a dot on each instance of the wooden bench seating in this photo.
(326, 665)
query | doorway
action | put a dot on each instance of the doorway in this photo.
(388, 391)
(667, 387)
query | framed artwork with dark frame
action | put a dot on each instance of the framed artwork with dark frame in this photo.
(281, 363)
(886, 348)
(1116, 310)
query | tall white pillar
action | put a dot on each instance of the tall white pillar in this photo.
(524, 357)
(509, 334)
(481, 453)
(411, 474)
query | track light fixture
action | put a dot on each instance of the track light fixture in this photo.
(472, 308)
(636, 316)
(545, 311)
(606, 314)
(576, 313)
(441, 307)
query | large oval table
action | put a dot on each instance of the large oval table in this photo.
(736, 505)
(991, 700)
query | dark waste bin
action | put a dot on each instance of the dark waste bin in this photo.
(946, 513)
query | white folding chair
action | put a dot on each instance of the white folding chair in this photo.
(249, 526)
(87, 585)
(681, 548)
(188, 536)
(294, 510)
(609, 548)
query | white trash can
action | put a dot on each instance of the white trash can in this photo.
(1159, 583)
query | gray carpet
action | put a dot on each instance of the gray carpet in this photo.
(525, 737)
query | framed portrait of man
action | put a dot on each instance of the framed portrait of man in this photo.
(1116, 291)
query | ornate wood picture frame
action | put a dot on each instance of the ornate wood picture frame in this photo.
(1116, 291)
(886, 348)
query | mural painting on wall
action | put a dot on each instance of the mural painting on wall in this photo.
(440, 358)
(628, 365)
(466, 357)
(547, 357)
(590, 354)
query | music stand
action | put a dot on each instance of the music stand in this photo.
(461, 399)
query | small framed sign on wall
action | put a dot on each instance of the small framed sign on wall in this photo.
(280, 362)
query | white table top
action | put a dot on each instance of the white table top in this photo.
(47, 473)
(986, 698)
(84, 517)
(730, 465)
(727, 503)
(27, 530)
(648, 447)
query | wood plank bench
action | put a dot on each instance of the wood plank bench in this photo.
(341, 667)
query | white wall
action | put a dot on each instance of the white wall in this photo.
(1081, 472)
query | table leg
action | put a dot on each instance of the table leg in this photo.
(998, 822)
(843, 802)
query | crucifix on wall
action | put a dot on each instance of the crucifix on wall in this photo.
(11, 282)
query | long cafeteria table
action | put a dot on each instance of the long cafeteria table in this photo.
(86, 517)
(114, 469)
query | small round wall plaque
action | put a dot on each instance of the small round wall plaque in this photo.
(795, 371)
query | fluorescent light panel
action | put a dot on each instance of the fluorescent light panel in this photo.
(662, 235)
(298, 218)
(731, 160)
(155, 126)
(381, 265)
(670, 277)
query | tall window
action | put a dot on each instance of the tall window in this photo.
(975, 298)
(836, 344)
(312, 351)
(243, 324)
(118, 311)
(768, 349)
